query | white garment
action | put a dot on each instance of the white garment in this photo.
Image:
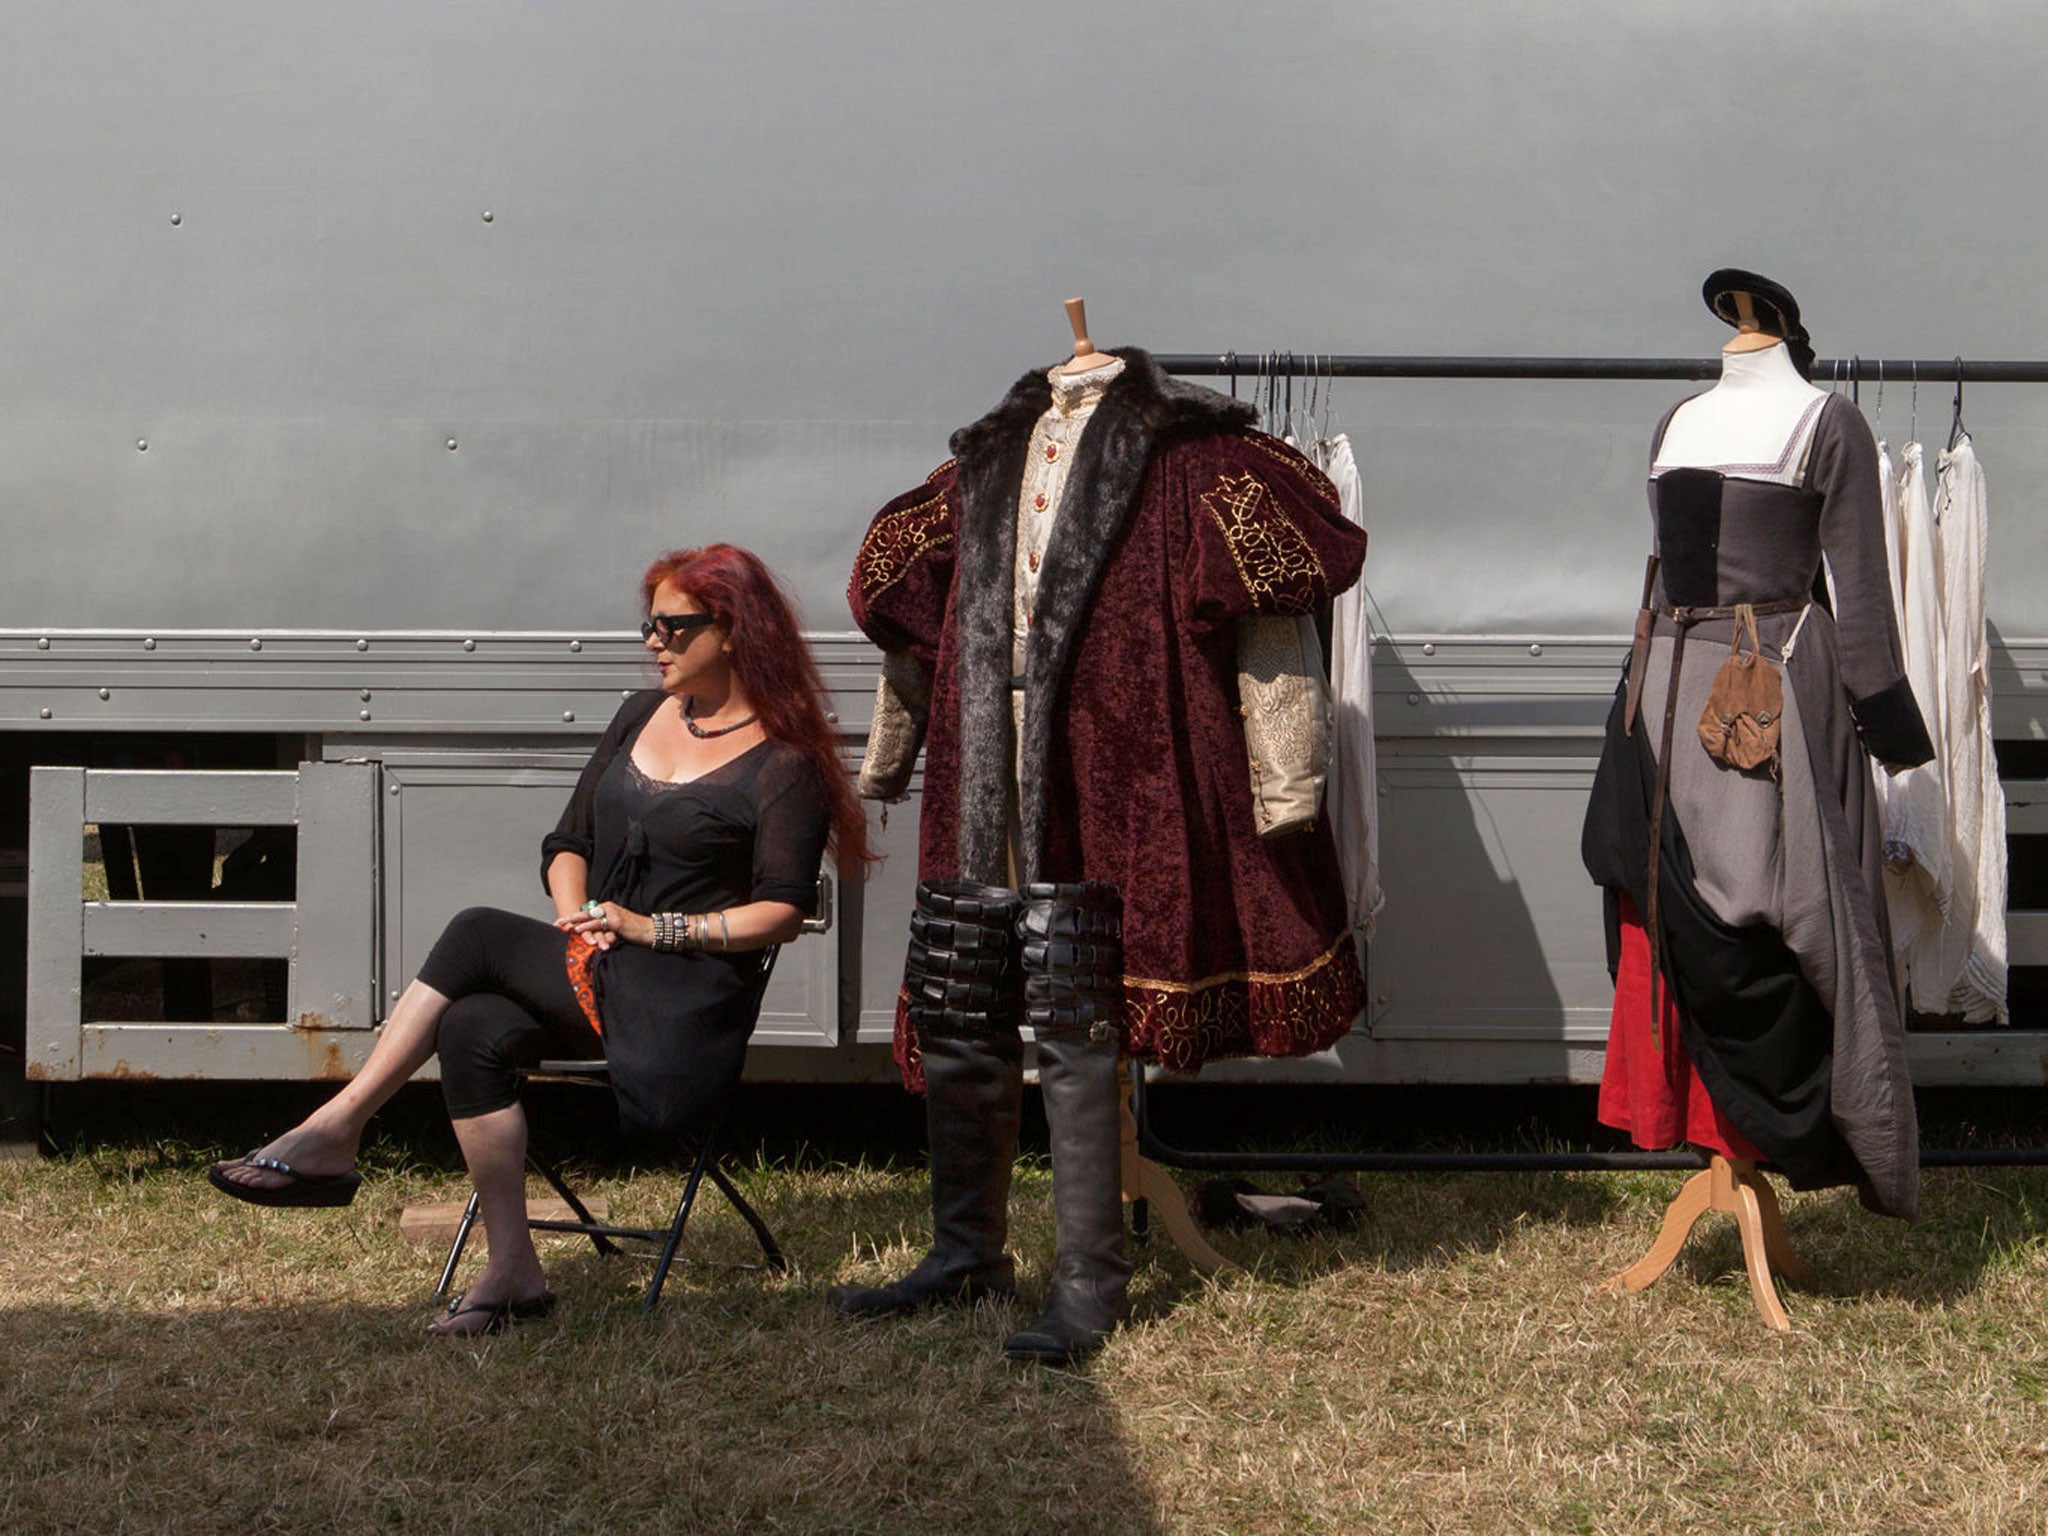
(1968, 973)
(1353, 784)
(1756, 423)
(1918, 882)
(1046, 462)
(1887, 480)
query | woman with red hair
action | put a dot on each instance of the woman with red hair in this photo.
(691, 844)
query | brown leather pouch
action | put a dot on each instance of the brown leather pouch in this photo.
(1740, 725)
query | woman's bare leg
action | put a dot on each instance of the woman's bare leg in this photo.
(326, 1140)
(494, 1147)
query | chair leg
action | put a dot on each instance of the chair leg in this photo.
(469, 1213)
(771, 1251)
(675, 1227)
(603, 1244)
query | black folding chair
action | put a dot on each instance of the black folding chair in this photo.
(660, 1243)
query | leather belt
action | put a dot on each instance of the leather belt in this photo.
(1691, 614)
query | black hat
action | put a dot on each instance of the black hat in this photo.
(1775, 308)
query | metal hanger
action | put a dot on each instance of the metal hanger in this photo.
(1956, 430)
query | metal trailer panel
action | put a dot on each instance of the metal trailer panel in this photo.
(660, 272)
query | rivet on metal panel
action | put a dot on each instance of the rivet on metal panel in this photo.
(575, 645)
(832, 716)
(177, 218)
(393, 994)
(488, 215)
(43, 642)
(1383, 791)
(142, 445)
(44, 713)
(469, 645)
(149, 644)
(1414, 698)
(452, 445)
(362, 645)
(363, 694)
(362, 714)
(106, 693)
(625, 693)
(255, 645)
(569, 717)
(1535, 650)
(1381, 999)
(394, 789)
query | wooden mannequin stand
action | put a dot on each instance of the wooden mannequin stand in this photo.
(1146, 1180)
(1732, 1185)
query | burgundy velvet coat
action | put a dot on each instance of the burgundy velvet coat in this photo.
(1177, 520)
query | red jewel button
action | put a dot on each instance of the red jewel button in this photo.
(1034, 559)
(1039, 501)
(1052, 451)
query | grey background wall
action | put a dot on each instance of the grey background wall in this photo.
(748, 263)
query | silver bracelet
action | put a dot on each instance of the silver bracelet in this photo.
(724, 933)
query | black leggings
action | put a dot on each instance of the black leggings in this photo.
(512, 1005)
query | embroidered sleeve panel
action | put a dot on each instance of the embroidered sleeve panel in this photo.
(1312, 480)
(910, 529)
(1275, 561)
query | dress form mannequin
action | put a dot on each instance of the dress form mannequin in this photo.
(1085, 356)
(1756, 422)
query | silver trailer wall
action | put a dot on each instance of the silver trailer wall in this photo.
(370, 330)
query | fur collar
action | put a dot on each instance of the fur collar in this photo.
(1141, 408)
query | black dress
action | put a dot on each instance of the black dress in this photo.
(753, 829)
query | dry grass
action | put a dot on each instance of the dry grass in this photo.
(177, 1363)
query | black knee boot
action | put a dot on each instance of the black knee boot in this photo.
(1073, 999)
(964, 1004)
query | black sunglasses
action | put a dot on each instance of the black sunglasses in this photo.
(669, 625)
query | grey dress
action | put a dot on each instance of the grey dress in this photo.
(1768, 918)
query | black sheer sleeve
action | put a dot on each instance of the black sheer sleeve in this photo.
(794, 820)
(576, 832)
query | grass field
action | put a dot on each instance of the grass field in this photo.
(175, 1362)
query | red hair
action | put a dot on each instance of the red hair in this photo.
(774, 669)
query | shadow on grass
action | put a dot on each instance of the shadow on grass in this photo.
(727, 1410)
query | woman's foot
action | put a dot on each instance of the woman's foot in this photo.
(308, 1151)
(499, 1299)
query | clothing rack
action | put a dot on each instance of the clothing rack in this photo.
(1349, 365)
(1309, 366)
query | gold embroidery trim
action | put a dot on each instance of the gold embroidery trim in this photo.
(898, 541)
(1274, 560)
(1223, 978)
(1298, 461)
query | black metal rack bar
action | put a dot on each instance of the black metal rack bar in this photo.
(1349, 365)
(1156, 1147)
(1851, 370)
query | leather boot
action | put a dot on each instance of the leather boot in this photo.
(961, 976)
(1073, 999)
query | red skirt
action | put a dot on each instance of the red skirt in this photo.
(1649, 1088)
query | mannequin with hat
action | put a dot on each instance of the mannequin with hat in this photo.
(1733, 822)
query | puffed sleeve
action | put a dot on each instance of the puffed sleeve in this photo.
(1268, 534)
(904, 571)
(1845, 474)
(793, 821)
(576, 832)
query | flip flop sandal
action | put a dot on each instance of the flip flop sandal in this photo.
(305, 1189)
(498, 1315)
